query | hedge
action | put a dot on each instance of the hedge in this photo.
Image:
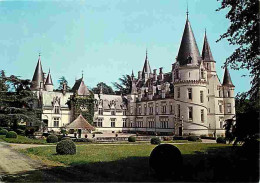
(11, 134)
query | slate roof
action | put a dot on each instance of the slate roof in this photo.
(146, 68)
(48, 80)
(206, 52)
(80, 123)
(80, 87)
(188, 47)
(38, 76)
(227, 79)
(107, 99)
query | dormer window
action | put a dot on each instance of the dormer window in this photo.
(113, 112)
(100, 111)
(56, 110)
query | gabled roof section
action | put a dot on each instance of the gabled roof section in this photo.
(227, 79)
(146, 68)
(80, 123)
(188, 51)
(206, 52)
(80, 87)
(38, 76)
(49, 80)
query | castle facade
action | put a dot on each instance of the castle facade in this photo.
(188, 99)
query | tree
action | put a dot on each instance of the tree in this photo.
(106, 89)
(124, 86)
(246, 125)
(243, 32)
(61, 81)
(18, 104)
(3, 85)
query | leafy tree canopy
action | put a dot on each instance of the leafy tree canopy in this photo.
(17, 104)
(243, 32)
(106, 89)
(124, 86)
(61, 81)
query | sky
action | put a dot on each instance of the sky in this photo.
(106, 39)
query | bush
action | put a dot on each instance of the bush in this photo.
(11, 134)
(165, 160)
(20, 131)
(3, 132)
(221, 140)
(52, 139)
(66, 147)
(83, 140)
(193, 138)
(131, 139)
(155, 140)
(65, 138)
(179, 138)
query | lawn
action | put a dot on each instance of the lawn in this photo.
(130, 163)
(23, 140)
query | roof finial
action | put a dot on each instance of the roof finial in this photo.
(187, 12)
(49, 70)
(82, 74)
(146, 52)
(39, 54)
(205, 31)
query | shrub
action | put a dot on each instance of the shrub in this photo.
(221, 140)
(11, 134)
(155, 140)
(83, 140)
(65, 138)
(165, 159)
(179, 138)
(203, 136)
(20, 131)
(193, 138)
(52, 139)
(1, 128)
(166, 138)
(131, 139)
(3, 132)
(66, 147)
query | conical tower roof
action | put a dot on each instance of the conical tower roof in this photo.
(49, 80)
(206, 52)
(146, 68)
(38, 76)
(188, 51)
(227, 79)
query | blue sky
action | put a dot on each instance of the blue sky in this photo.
(106, 38)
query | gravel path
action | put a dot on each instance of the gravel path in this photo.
(12, 162)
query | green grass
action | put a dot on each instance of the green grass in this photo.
(104, 153)
(130, 163)
(22, 140)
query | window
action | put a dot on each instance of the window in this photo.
(163, 94)
(207, 65)
(202, 115)
(208, 99)
(179, 110)
(189, 74)
(124, 122)
(208, 91)
(145, 109)
(190, 113)
(164, 123)
(178, 92)
(113, 112)
(228, 94)
(131, 110)
(140, 109)
(150, 108)
(157, 109)
(220, 104)
(100, 122)
(113, 122)
(221, 119)
(219, 93)
(229, 107)
(201, 96)
(124, 112)
(56, 122)
(56, 110)
(100, 111)
(190, 93)
(202, 74)
(163, 108)
(171, 108)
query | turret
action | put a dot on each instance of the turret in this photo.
(48, 83)
(146, 69)
(38, 77)
(207, 57)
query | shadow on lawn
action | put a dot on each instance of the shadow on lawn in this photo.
(226, 164)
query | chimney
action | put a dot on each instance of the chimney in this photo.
(154, 75)
(139, 74)
(161, 73)
(64, 88)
